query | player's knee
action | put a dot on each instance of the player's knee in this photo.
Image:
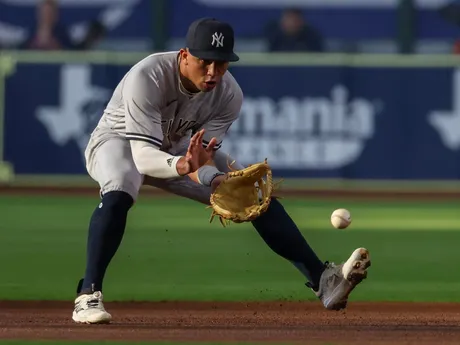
(116, 201)
(275, 203)
(129, 186)
(275, 212)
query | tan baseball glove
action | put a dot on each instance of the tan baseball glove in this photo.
(244, 195)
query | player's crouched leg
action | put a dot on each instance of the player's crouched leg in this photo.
(106, 229)
(113, 168)
(331, 283)
(281, 234)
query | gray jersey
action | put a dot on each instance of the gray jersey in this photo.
(149, 105)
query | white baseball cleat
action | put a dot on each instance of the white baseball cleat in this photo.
(338, 281)
(90, 309)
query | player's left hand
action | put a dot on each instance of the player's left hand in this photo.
(217, 181)
(242, 195)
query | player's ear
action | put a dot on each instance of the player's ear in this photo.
(184, 54)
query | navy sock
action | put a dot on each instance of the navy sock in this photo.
(106, 229)
(281, 234)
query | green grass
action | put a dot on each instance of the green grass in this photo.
(171, 252)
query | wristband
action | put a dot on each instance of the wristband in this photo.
(207, 173)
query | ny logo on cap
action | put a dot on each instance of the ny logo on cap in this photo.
(217, 39)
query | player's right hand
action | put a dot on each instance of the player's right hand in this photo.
(196, 155)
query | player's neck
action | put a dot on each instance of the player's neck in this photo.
(188, 86)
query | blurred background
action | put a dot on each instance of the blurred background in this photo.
(349, 89)
(352, 26)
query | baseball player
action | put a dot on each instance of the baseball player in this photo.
(164, 126)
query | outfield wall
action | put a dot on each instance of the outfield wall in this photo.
(325, 118)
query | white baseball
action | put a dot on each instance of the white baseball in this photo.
(341, 218)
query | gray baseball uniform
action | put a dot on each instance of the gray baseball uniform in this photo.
(150, 105)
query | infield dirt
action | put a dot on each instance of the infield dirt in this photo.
(304, 322)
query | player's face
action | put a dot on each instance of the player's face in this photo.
(204, 74)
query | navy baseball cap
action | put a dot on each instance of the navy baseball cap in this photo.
(210, 39)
